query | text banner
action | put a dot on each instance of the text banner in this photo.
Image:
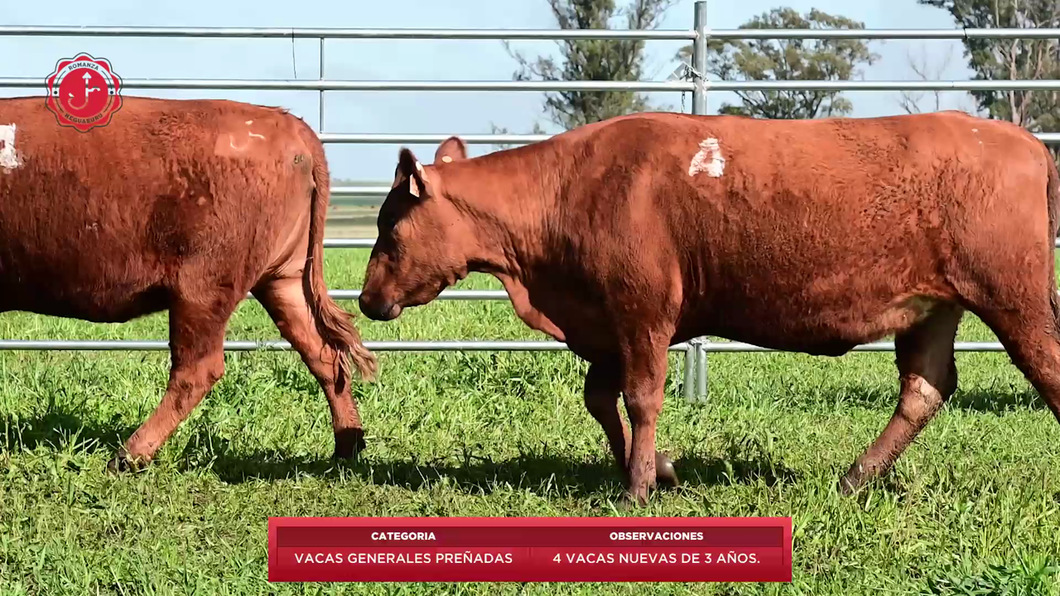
(537, 549)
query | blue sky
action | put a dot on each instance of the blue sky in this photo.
(411, 111)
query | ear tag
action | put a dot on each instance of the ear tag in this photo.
(413, 187)
(446, 159)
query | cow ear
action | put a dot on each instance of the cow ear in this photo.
(452, 149)
(409, 168)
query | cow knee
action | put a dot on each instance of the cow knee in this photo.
(214, 370)
(601, 392)
(200, 376)
(600, 406)
(920, 399)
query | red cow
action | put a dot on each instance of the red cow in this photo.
(626, 236)
(182, 206)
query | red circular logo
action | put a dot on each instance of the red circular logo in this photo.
(84, 92)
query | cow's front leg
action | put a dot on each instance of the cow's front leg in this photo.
(643, 382)
(196, 338)
(603, 386)
(602, 389)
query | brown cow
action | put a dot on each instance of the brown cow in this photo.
(183, 206)
(626, 236)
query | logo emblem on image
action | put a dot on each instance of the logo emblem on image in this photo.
(84, 92)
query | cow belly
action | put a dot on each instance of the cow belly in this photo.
(803, 324)
(802, 290)
(102, 278)
(91, 299)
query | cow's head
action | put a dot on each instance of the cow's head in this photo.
(423, 238)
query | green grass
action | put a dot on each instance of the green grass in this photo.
(972, 508)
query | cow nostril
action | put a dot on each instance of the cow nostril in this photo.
(368, 305)
(375, 309)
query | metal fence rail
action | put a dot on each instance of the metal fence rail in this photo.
(523, 34)
(695, 361)
(645, 86)
(490, 139)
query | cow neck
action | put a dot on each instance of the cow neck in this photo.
(506, 196)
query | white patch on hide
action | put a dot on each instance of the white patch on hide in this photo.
(709, 159)
(250, 122)
(446, 159)
(8, 156)
(254, 134)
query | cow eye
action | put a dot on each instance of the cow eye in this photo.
(388, 220)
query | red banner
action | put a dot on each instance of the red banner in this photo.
(536, 549)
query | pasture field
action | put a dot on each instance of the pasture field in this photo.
(972, 508)
(353, 217)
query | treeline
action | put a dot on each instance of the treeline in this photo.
(797, 59)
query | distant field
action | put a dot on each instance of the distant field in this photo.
(353, 217)
(972, 508)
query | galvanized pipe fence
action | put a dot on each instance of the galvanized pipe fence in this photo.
(696, 350)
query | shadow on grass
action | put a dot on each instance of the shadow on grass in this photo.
(57, 428)
(475, 475)
(994, 401)
(997, 401)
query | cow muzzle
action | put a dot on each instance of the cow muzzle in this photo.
(378, 310)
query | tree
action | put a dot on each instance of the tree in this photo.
(910, 101)
(593, 59)
(996, 59)
(788, 59)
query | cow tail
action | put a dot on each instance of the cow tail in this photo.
(334, 324)
(1053, 195)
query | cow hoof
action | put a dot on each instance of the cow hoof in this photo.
(852, 481)
(664, 470)
(122, 462)
(629, 502)
(349, 444)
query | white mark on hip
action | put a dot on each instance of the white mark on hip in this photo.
(8, 155)
(709, 159)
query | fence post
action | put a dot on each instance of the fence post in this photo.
(701, 365)
(321, 71)
(690, 372)
(699, 106)
(699, 59)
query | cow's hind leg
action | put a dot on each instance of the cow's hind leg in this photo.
(196, 338)
(285, 302)
(603, 385)
(928, 376)
(1032, 339)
